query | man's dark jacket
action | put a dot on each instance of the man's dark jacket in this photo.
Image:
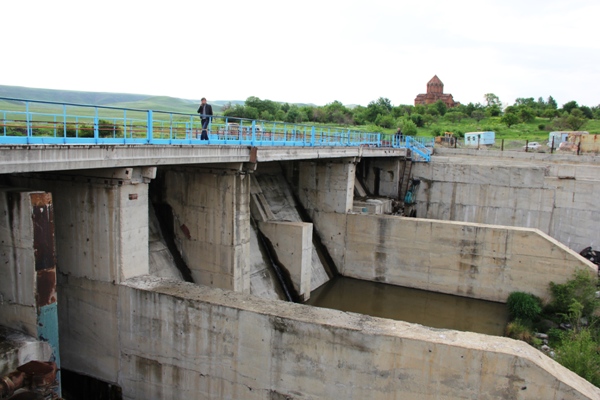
(208, 110)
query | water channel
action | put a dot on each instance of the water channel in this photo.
(432, 309)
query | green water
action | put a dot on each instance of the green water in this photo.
(432, 309)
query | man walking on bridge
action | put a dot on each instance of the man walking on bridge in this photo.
(205, 111)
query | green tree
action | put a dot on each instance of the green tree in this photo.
(510, 119)
(526, 114)
(441, 107)
(576, 120)
(493, 111)
(568, 107)
(385, 121)
(492, 100)
(587, 112)
(408, 127)
(478, 115)
(552, 103)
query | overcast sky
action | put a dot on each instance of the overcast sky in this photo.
(306, 51)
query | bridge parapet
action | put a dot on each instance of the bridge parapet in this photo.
(44, 122)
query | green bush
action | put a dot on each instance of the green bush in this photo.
(579, 353)
(581, 288)
(524, 306)
(519, 330)
(408, 127)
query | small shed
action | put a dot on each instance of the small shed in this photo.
(486, 138)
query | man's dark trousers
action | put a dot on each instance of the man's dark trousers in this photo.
(204, 135)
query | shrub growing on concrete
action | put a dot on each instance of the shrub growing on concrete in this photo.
(524, 306)
(579, 353)
(519, 330)
(581, 288)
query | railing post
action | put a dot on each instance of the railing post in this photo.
(125, 125)
(253, 132)
(28, 119)
(149, 127)
(96, 128)
(65, 120)
(312, 136)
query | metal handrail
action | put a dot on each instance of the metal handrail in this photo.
(137, 126)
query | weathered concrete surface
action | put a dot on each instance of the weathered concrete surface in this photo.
(17, 262)
(277, 193)
(327, 185)
(181, 341)
(292, 242)
(473, 260)
(37, 158)
(212, 224)
(263, 280)
(89, 326)
(101, 238)
(535, 190)
(101, 223)
(17, 348)
(382, 176)
(161, 262)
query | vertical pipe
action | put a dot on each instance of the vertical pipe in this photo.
(502, 148)
(526, 146)
(552, 148)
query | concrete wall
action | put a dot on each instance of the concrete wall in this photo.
(292, 243)
(211, 210)
(180, 341)
(560, 199)
(17, 262)
(272, 187)
(383, 174)
(101, 222)
(473, 260)
(327, 185)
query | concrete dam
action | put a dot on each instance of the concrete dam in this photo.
(165, 272)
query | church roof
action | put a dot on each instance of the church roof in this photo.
(435, 80)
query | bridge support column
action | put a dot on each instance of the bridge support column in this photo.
(382, 176)
(28, 268)
(327, 186)
(211, 214)
(101, 222)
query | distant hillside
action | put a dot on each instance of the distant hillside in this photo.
(125, 100)
(68, 96)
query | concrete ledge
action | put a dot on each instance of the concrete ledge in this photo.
(179, 341)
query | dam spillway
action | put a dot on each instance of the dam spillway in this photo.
(227, 334)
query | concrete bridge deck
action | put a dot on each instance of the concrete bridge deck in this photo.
(39, 158)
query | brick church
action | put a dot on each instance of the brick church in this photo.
(435, 92)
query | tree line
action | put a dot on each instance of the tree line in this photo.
(381, 113)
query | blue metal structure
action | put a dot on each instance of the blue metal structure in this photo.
(68, 123)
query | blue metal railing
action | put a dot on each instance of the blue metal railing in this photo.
(45, 122)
